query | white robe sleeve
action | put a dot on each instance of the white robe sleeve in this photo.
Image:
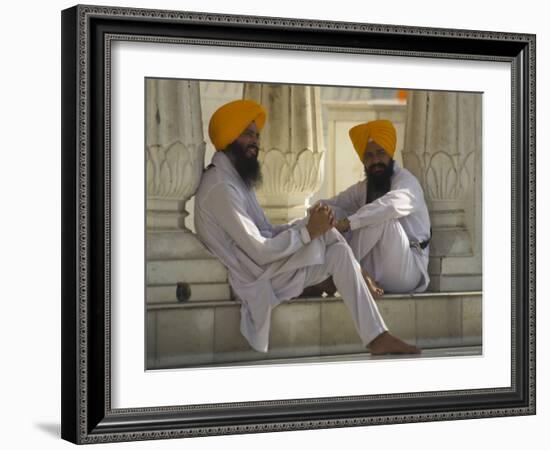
(270, 231)
(348, 200)
(230, 210)
(298, 224)
(395, 204)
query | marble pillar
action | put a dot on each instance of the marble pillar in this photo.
(174, 150)
(175, 160)
(443, 150)
(291, 148)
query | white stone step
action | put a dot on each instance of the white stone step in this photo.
(189, 271)
(427, 353)
(455, 282)
(178, 256)
(192, 333)
(457, 274)
(171, 245)
(199, 292)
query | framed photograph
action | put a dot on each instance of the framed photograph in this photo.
(161, 336)
(188, 284)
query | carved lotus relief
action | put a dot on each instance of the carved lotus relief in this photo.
(445, 177)
(287, 173)
(174, 172)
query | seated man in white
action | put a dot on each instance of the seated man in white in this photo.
(384, 217)
(269, 264)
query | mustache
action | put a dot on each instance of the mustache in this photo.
(378, 166)
(248, 167)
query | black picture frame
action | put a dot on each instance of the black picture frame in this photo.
(87, 415)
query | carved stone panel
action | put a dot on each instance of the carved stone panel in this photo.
(443, 150)
(291, 146)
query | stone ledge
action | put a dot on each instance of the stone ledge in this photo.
(207, 332)
(200, 292)
(432, 353)
(236, 302)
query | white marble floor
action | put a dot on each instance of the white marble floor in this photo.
(432, 353)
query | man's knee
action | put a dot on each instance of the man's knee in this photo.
(389, 233)
(391, 227)
(390, 224)
(393, 224)
(333, 236)
(339, 254)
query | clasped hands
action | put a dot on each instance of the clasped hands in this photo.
(321, 219)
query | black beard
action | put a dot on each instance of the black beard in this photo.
(378, 184)
(247, 168)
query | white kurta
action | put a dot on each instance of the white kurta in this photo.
(269, 264)
(231, 223)
(404, 204)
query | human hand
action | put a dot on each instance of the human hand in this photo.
(312, 208)
(321, 219)
(327, 208)
(342, 225)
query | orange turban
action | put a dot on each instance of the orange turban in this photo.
(380, 131)
(231, 119)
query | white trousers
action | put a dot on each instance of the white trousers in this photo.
(341, 264)
(384, 252)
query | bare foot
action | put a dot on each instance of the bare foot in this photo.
(376, 291)
(386, 343)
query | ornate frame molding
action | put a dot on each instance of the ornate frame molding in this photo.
(88, 31)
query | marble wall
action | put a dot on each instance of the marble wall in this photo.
(443, 149)
(439, 140)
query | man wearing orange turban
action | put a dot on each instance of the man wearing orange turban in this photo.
(270, 264)
(384, 217)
